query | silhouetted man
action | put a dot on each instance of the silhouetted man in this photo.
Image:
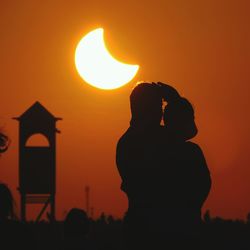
(137, 156)
(161, 173)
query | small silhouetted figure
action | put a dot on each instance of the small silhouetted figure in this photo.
(76, 229)
(14, 234)
(165, 176)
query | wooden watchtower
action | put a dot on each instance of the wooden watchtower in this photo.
(37, 164)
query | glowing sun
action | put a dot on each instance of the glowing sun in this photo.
(97, 66)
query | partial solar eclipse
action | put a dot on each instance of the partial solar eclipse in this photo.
(97, 66)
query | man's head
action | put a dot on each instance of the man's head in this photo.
(146, 105)
(179, 117)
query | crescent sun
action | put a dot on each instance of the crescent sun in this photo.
(97, 66)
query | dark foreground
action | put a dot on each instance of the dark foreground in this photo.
(106, 233)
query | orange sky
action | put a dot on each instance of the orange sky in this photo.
(200, 47)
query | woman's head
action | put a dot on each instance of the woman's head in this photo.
(179, 117)
(6, 203)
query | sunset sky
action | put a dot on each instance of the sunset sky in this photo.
(200, 47)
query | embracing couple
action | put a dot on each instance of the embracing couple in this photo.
(164, 175)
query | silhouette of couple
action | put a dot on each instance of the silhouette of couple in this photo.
(164, 175)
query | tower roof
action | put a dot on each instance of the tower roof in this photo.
(37, 110)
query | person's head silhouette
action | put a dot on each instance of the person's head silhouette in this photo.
(76, 223)
(6, 203)
(179, 118)
(146, 105)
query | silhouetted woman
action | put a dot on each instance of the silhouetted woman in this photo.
(188, 179)
(179, 120)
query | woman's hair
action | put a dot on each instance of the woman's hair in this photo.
(6, 203)
(179, 116)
